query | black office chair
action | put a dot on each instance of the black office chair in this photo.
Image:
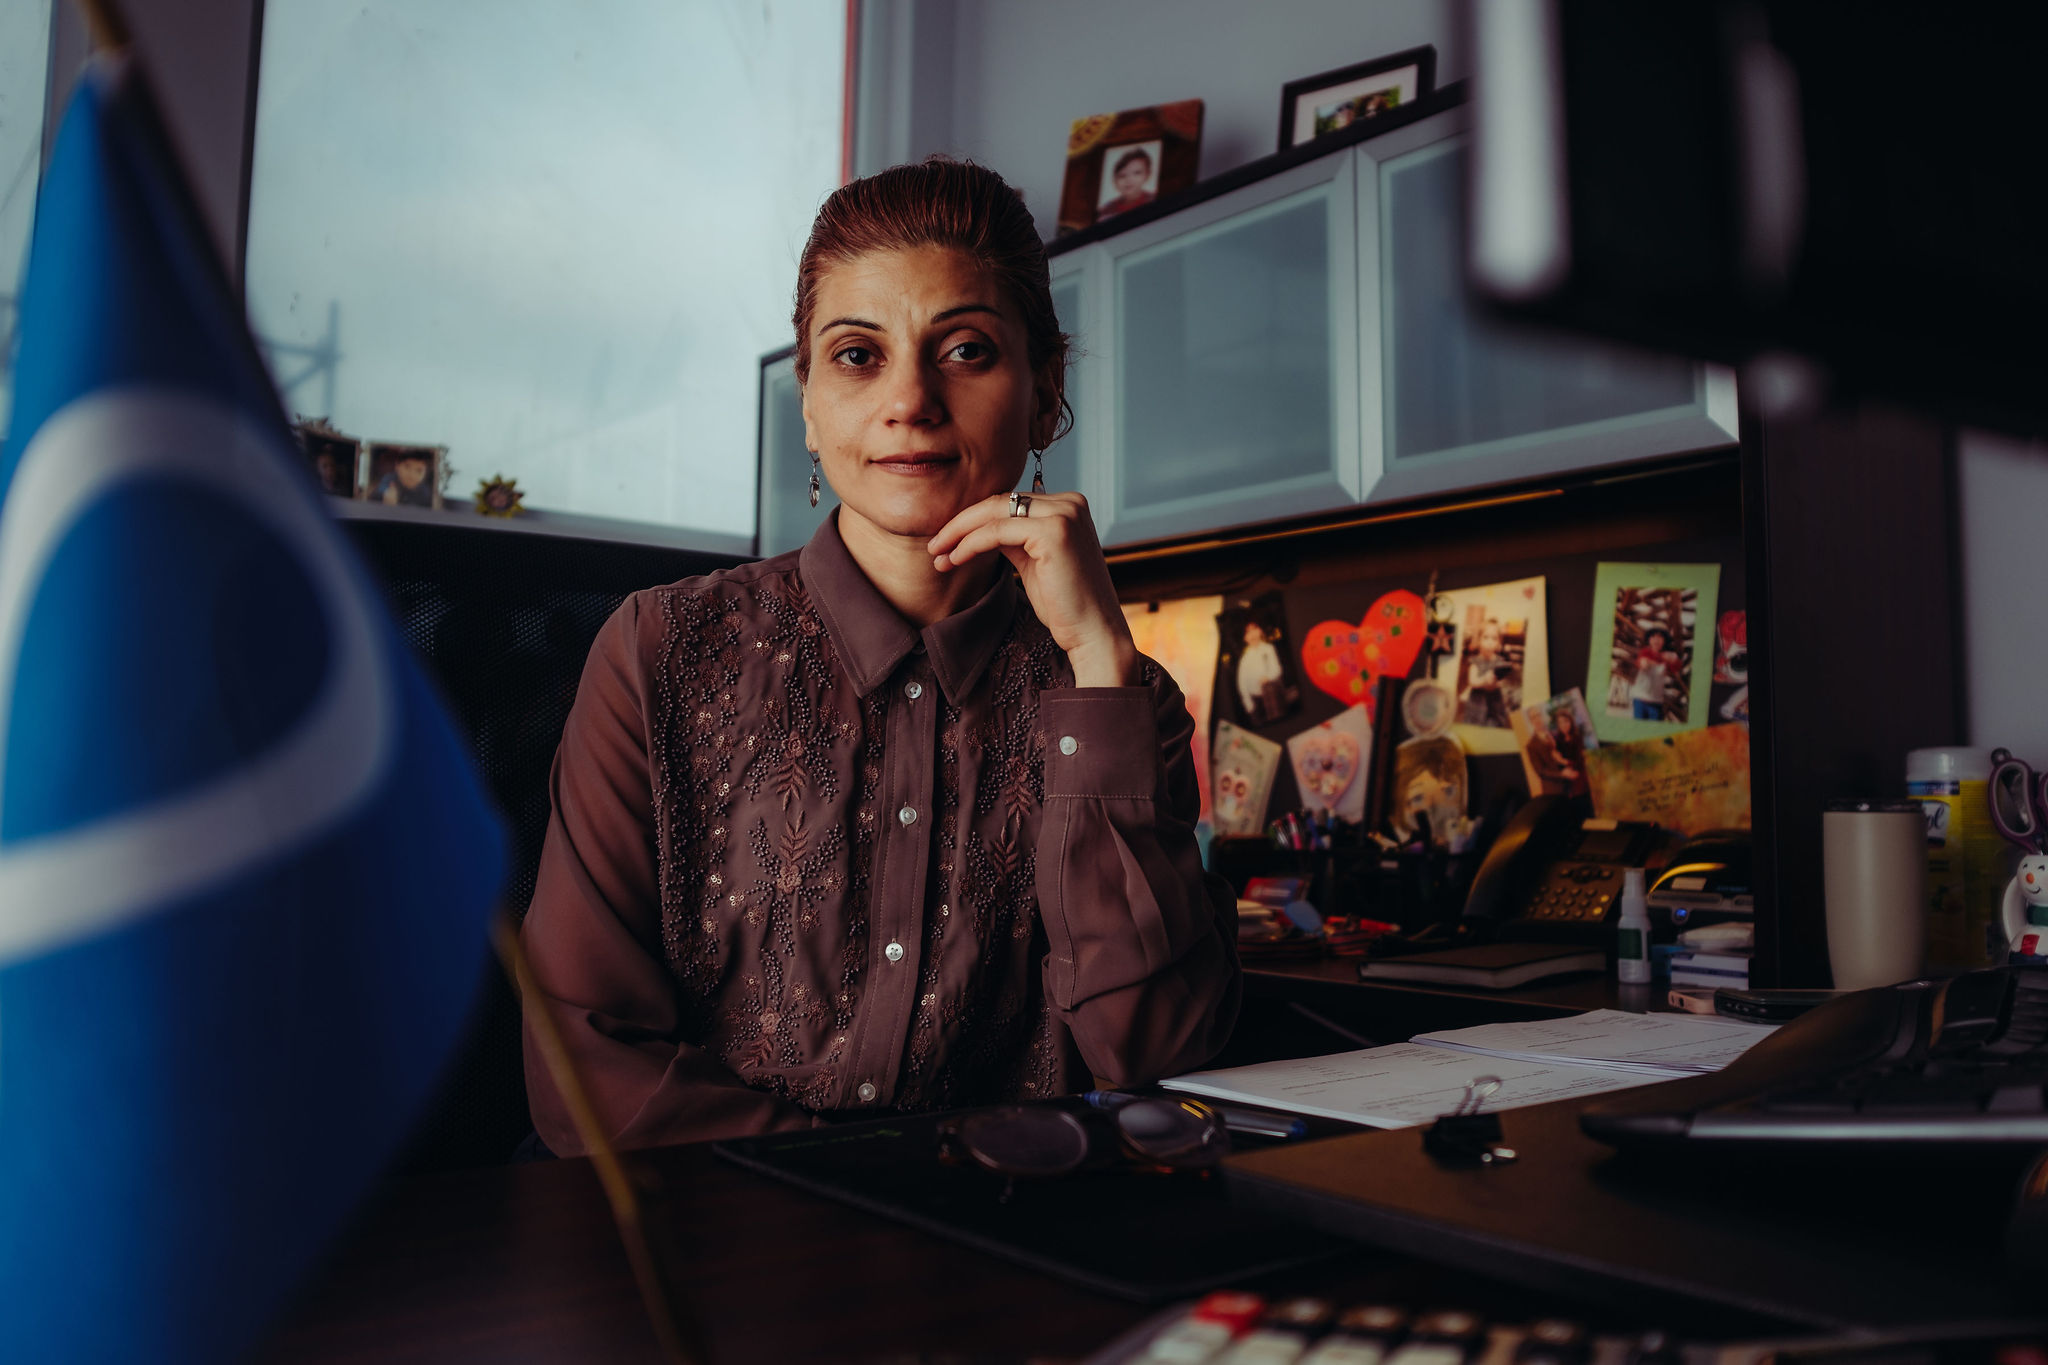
(503, 620)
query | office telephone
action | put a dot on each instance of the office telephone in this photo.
(1554, 873)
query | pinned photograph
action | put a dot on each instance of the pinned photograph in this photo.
(1555, 736)
(404, 475)
(1330, 764)
(1432, 788)
(1242, 779)
(1255, 671)
(330, 455)
(1500, 655)
(1120, 162)
(1730, 698)
(1315, 106)
(1648, 665)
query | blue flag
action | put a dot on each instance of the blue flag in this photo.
(245, 865)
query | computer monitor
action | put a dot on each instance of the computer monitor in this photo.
(1845, 200)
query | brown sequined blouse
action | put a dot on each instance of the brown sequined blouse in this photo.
(807, 857)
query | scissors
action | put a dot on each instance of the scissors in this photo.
(2019, 801)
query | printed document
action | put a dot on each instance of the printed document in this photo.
(1553, 1059)
(1660, 1044)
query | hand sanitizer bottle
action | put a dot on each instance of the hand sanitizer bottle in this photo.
(1632, 946)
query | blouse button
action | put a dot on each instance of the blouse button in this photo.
(1068, 745)
(907, 815)
(894, 952)
(913, 689)
(866, 1092)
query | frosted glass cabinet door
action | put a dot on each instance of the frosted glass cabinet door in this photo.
(787, 517)
(1232, 328)
(1456, 400)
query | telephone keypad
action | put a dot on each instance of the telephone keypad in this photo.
(1581, 892)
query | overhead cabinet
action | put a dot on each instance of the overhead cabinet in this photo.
(1303, 342)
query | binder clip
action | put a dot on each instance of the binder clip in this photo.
(1465, 1136)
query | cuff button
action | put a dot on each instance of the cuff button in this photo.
(1068, 744)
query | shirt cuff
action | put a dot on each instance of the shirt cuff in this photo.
(1100, 742)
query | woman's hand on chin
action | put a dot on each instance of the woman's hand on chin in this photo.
(1059, 561)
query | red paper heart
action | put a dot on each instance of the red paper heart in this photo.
(1333, 657)
(1343, 659)
(1393, 630)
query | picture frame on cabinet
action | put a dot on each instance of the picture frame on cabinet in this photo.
(1332, 101)
(1125, 161)
(330, 455)
(404, 475)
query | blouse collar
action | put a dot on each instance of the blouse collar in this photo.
(873, 637)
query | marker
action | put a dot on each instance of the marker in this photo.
(1244, 1121)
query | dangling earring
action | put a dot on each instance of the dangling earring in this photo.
(814, 478)
(1038, 471)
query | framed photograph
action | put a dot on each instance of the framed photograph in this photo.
(403, 475)
(1120, 162)
(330, 455)
(1651, 672)
(1335, 100)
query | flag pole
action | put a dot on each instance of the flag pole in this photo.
(109, 29)
(663, 1312)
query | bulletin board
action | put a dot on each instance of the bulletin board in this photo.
(1688, 514)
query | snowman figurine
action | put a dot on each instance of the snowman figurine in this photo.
(2025, 913)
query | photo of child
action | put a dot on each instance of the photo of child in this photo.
(1431, 788)
(1500, 654)
(1555, 736)
(1255, 667)
(1490, 669)
(1650, 674)
(1130, 179)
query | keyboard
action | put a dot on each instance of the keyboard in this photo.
(1955, 1063)
(1233, 1328)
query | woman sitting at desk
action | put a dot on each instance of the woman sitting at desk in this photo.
(901, 820)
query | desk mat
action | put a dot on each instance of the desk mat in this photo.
(1143, 1237)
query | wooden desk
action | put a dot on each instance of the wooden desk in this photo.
(520, 1263)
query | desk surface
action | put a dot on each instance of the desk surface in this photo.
(520, 1263)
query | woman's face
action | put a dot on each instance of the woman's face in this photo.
(921, 398)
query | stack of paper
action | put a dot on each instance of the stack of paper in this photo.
(1415, 1082)
(1656, 1045)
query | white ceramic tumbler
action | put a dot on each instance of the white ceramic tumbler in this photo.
(1875, 861)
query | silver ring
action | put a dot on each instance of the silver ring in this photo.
(1020, 504)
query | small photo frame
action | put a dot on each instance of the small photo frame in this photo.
(1316, 106)
(1117, 163)
(403, 475)
(331, 456)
